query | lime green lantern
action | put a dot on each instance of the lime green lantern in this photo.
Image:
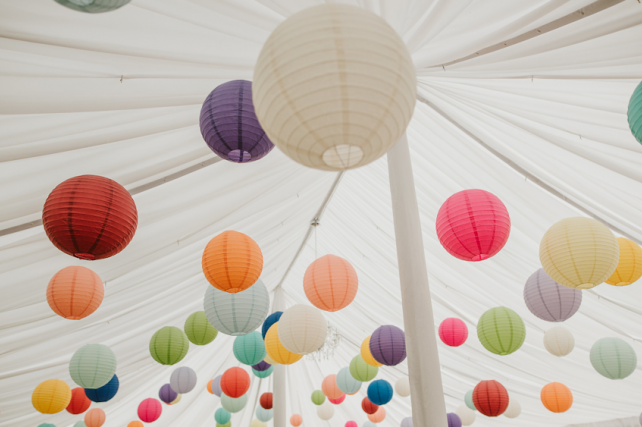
(199, 330)
(613, 358)
(501, 331)
(169, 345)
(249, 349)
(361, 371)
(318, 397)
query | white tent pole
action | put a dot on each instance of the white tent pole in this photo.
(427, 395)
(279, 371)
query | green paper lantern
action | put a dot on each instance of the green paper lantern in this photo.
(346, 382)
(501, 331)
(613, 358)
(468, 399)
(92, 366)
(263, 374)
(93, 6)
(222, 416)
(361, 371)
(199, 330)
(80, 424)
(318, 397)
(46, 425)
(233, 405)
(249, 349)
(169, 345)
(635, 113)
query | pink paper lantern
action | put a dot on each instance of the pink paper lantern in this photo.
(453, 332)
(149, 410)
(473, 225)
(338, 400)
(351, 424)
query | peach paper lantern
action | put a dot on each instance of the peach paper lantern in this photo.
(75, 292)
(330, 388)
(378, 416)
(296, 420)
(330, 283)
(95, 417)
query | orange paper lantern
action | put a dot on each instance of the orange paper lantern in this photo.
(378, 416)
(330, 388)
(330, 283)
(95, 418)
(296, 420)
(75, 292)
(135, 424)
(79, 401)
(209, 386)
(232, 262)
(556, 397)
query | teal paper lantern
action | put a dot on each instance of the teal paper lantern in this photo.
(198, 329)
(635, 113)
(468, 399)
(93, 6)
(318, 397)
(501, 331)
(263, 414)
(80, 424)
(263, 374)
(239, 313)
(249, 349)
(361, 371)
(92, 366)
(222, 416)
(346, 382)
(233, 405)
(46, 425)
(613, 358)
(168, 345)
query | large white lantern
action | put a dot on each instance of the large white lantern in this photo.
(514, 408)
(334, 87)
(239, 313)
(302, 329)
(325, 411)
(402, 387)
(559, 341)
(466, 415)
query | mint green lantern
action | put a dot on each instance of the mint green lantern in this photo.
(318, 397)
(361, 371)
(222, 416)
(249, 349)
(80, 424)
(168, 345)
(263, 374)
(198, 329)
(468, 399)
(92, 366)
(635, 113)
(93, 6)
(346, 382)
(613, 358)
(501, 331)
(233, 405)
(46, 425)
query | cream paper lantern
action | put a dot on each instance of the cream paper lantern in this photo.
(402, 387)
(257, 423)
(302, 329)
(579, 252)
(334, 87)
(559, 341)
(325, 411)
(514, 408)
(466, 415)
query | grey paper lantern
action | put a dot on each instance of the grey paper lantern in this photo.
(92, 366)
(239, 313)
(216, 386)
(183, 380)
(263, 414)
(233, 405)
(406, 422)
(549, 300)
(93, 6)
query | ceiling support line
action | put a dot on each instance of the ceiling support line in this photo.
(528, 175)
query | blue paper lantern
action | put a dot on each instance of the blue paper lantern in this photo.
(269, 321)
(104, 393)
(380, 392)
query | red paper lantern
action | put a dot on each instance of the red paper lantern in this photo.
(266, 401)
(338, 400)
(453, 332)
(90, 217)
(79, 401)
(473, 225)
(235, 382)
(351, 424)
(369, 407)
(490, 398)
(149, 410)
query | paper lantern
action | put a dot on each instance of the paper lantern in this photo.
(75, 292)
(579, 252)
(216, 386)
(406, 422)
(178, 399)
(198, 329)
(302, 329)
(167, 394)
(380, 392)
(361, 371)
(261, 366)
(402, 387)
(269, 321)
(229, 125)
(330, 388)
(325, 411)
(80, 424)
(330, 283)
(183, 380)
(222, 416)
(559, 341)
(168, 345)
(249, 349)
(296, 420)
(104, 393)
(351, 424)
(338, 400)
(79, 402)
(369, 424)
(263, 414)
(266, 400)
(342, 103)
(90, 217)
(239, 313)
(388, 345)
(149, 410)
(473, 225)
(263, 374)
(490, 398)
(318, 397)
(257, 423)
(235, 382)
(92, 366)
(556, 397)
(95, 417)
(209, 387)
(501, 331)
(46, 425)
(369, 407)
(366, 355)
(378, 416)
(51, 396)
(93, 6)
(629, 266)
(634, 115)
(453, 332)
(468, 400)
(232, 262)
(276, 350)
(466, 415)
(613, 358)
(135, 424)
(232, 404)
(346, 382)
(453, 420)
(514, 409)
(549, 300)
(269, 360)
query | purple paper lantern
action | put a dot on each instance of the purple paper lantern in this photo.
(166, 394)
(388, 345)
(261, 366)
(453, 420)
(549, 300)
(229, 124)
(216, 386)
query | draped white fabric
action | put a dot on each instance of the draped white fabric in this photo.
(118, 94)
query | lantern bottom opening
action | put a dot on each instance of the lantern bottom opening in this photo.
(342, 156)
(480, 257)
(88, 257)
(239, 156)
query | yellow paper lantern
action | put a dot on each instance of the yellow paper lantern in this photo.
(51, 396)
(629, 267)
(366, 355)
(275, 349)
(579, 252)
(269, 360)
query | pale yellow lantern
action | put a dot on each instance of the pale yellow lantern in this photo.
(629, 267)
(579, 252)
(334, 87)
(268, 359)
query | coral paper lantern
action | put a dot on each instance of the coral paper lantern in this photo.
(167, 394)
(556, 397)
(613, 358)
(366, 355)
(266, 400)
(92, 366)
(338, 400)
(183, 380)
(168, 345)
(296, 420)
(135, 424)
(269, 321)
(235, 382)
(380, 392)
(276, 350)
(149, 410)
(330, 388)
(104, 393)
(453, 420)
(559, 341)
(361, 371)
(369, 407)
(402, 387)
(549, 300)
(330, 283)
(579, 252)
(346, 382)
(473, 225)
(93, 6)
(302, 329)
(490, 398)
(221, 416)
(334, 87)
(514, 409)
(453, 332)
(232, 262)
(95, 418)
(79, 402)
(388, 345)
(198, 329)
(90, 217)
(378, 416)
(466, 415)
(75, 292)
(51, 396)
(318, 397)
(629, 266)
(325, 411)
(249, 349)
(634, 115)
(229, 125)
(233, 405)
(501, 331)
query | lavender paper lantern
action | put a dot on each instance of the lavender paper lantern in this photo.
(406, 422)
(261, 366)
(229, 125)
(388, 345)
(216, 386)
(167, 394)
(549, 300)
(453, 420)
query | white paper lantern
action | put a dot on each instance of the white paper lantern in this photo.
(325, 411)
(263, 414)
(466, 415)
(302, 329)
(346, 382)
(514, 408)
(402, 387)
(559, 341)
(239, 313)
(334, 87)
(406, 422)
(369, 424)
(257, 423)
(183, 380)
(233, 405)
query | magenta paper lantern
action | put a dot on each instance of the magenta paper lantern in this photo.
(338, 400)
(453, 332)
(351, 424)
(149, 410)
